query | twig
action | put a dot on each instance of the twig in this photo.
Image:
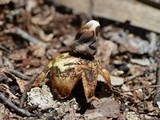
(4, 48)
(19, 74)
(27, 88)
(157, 58)
(25, 36)
(149, 86)
(14, 107)
(132, 77)
(157, 94)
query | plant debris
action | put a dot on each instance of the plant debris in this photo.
(32, 33)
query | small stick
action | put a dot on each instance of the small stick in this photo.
(4, 48)
(132, 77)
(19, 74)
(25, 36)
(157, 94)
(14, 107)
(157, 58)
(28, 87)
(149, 86)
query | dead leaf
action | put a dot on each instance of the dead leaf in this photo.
(5, 88)
(126, 88)
(137, 69)
(30, 4)
(104, 108)
(143, 61)
(21, 83)
(44, 36)
(116, 81)
(104, 52)
(18, 55)
(4, 112)
(38, 50)
(41, 21)
(31, 62)
(129, 42)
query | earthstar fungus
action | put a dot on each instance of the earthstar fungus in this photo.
(69, 68)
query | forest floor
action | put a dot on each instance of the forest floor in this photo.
(34, 33)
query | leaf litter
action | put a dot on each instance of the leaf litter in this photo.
(119, 50)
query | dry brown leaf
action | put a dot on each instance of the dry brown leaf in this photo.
(31, 62)
(44, 36)
(37, 20)
(21, 83)
(18, 55)
(104, 52)
(38, 50)
(137, 69)
(3, 112)
(104, 108)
